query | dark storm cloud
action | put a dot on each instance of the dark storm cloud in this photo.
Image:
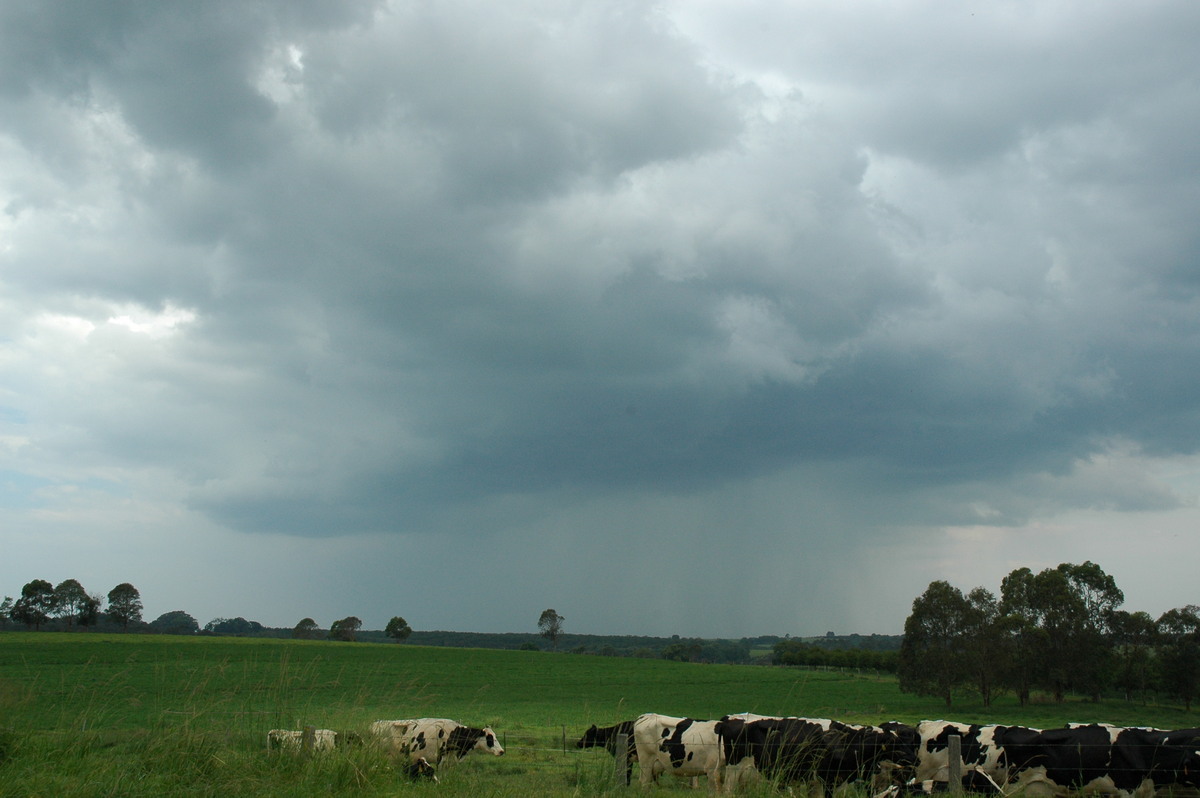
(419, 269)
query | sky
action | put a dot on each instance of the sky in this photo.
(716, 318)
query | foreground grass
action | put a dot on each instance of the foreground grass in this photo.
(128, 715)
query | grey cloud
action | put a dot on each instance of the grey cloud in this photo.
(491, 271)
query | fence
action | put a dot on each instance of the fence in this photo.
(551, 749)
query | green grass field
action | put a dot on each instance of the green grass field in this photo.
(134, 715)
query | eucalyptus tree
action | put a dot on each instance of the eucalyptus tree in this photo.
(34, 606)
(72, 603)
(550, 626)
(125, 605)
(398, 629)
(346, 629)
(306, 629)
(1179, 653)
(1134, 637)
(984, 643)
(934, 655)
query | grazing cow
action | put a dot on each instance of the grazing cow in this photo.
(791, 750)
(607, 737)
(683, 747)
(785, 750)
(435, 738)
(420, 769)
(883, 755)
(1112, 760)
(986, 751)
(323, 739)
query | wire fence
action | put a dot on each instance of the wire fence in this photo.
(1073, 755)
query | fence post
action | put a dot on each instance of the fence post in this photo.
(956, 765)
(307, 738)
(621, 760)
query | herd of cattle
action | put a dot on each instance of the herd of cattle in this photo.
(888, 759)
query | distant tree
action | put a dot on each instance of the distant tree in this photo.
(305, 630)
(233, 627)
(933, 656)
(175, 622)
(1179, 631)
(124, 605)
(345, 629)
(35, 604)
(73, 604)
(6, 608)
(682, 652)
(550, 626)
(398, 629)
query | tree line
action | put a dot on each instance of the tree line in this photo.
(1057, 631)
(68, 606)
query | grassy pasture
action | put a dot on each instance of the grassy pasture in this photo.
(132, 715)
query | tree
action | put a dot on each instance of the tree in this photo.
(550, 626)
(175, 622)
(233, 627)
(1180, 653)
(1020, 621)
(1059, 623)
(72, 603)
(398, 628)
(34, 606)
(1134, 635)
(1095, 598)
(6, 608)
(345, 629)
(984, 642)
(125, 605)
(305, 630)
(933, 655)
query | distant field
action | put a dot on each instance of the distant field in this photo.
(84, 714)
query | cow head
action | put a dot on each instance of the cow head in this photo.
(464, 739)
(590, 738)
(490, 743)
(1189, 775)
(420, 770)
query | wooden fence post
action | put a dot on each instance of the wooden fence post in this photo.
(621, 760)
(307, 739)
(956, 765)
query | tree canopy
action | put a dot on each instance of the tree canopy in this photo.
(398, 629)
(1059, 630)
(124, 604)
(550, 626)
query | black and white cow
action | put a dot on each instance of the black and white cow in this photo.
(883, 755)
(420, 770)
(986, 759)
(436, 739)
(683, 747)
(606, 737)
(790, 750)
(1112, 760)
(1089, 758)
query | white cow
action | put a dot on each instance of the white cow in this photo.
(436, 739)
(683, 747)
